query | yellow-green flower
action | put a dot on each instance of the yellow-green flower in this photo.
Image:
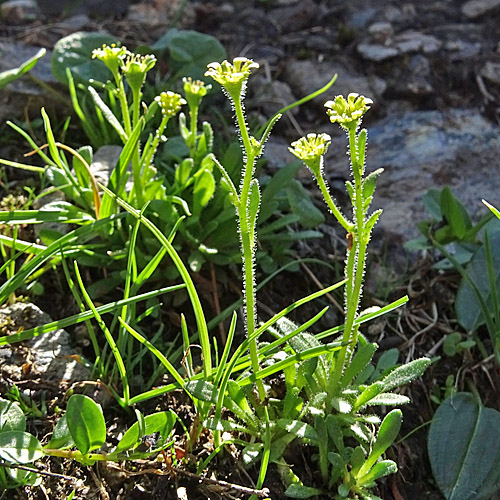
(195, 90)
(135, 68)
(112, 56)
(232, 76)
(348, 113)
(170, 103)
(311, 150)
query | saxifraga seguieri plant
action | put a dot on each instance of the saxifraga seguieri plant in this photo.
(347, 390)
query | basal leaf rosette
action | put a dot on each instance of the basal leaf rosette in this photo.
(348, 113)
(233, 76)
(310, 150)
(170, 103)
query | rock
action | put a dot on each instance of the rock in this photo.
(414, 41)
(404, 43)
(381, 32)
(420, 150)
(93, 8)
(13, 54)
(19, 11)
(75, 23)
(48, 356)
(272, 95)
(104, 162)
(477, 8)
(160, 13)
(39, 203)
(304, 77)
(360, 18)
(295, 17)
(462, 49)
(491, 72)
(376, 52)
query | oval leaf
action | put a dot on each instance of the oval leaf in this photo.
(464, 448)
(86, 423)
(11, 417)
(19, 447)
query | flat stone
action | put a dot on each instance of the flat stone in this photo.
(48, 356)
(272, 95)
(13, 54)
(477, 8)
(376, 52)
(414, 41)
(304, 77)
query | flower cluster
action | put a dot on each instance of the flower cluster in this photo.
(348, 113)
(311, 150)
(232, 76)
(112, 56)
(194, 91)
(135, 68)
(170, 103)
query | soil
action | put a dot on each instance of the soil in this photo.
(276, 33)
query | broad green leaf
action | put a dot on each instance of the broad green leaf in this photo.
(81, 171)
(464, 448)
(190, 51)
(13, 74)
(75, 52)
(467, 305)
(297, 490)
(298, 428)
(11, 417)
(19, 447)
(61, 437)
(86, 423)
(162, 422)
(182, 171)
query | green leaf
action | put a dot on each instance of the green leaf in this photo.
(405, 373)
(360, 360)
(19, 447)
(453, 212)
(464, 448)
(182, 171)
(61, 437)
(297, 428)
(467, 306)
(13, 74)
(86, 423)
(75, 52)
(162, 422)
(204, 188)
(388, 399)
(190, 51)
(108, 114)
(302, 205)
(379, 470)
(370, 182)
(11, 417)
(369, 393)
(297, 490)
(387, 433)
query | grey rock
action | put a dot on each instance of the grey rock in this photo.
(305, 77)
(491, 72)
(49, 355)
(272, 95)
(94, 8)
(13, 54)
(477, 8)
(44, 201)
(104, 162)
(75, 23)
(376, 52)
(420, 150)
(381, 31)
(404, 43)
(19, 11)
(414, 41)
(361, 17)
(462, 50)
(295, 17)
